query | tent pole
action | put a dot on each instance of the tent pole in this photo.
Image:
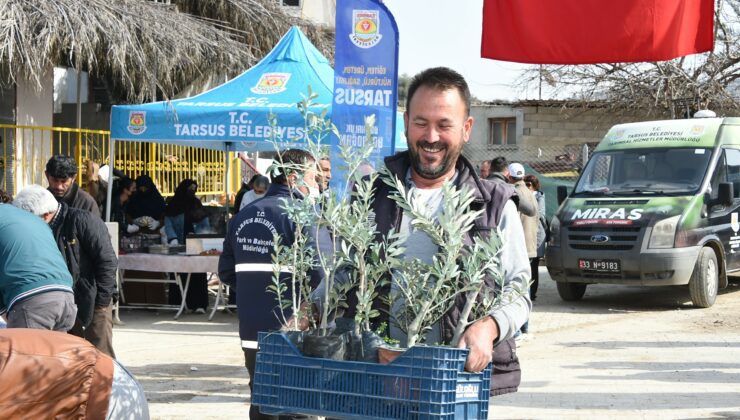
(227, 175)
(109, 190)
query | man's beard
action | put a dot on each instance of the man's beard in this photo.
(427, 171)
(60, 193)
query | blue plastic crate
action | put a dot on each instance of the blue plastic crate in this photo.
(422, 383)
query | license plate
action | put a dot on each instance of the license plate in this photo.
(600, 266)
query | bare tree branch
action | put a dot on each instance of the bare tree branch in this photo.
(675, 87)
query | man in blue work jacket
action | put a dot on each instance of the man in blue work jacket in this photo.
(246, 262)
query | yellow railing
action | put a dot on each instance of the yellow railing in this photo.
(24, 151)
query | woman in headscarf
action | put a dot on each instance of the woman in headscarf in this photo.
(123, 190)
(146, 207)
(184, 211)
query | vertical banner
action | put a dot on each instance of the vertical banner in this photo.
(365, 79)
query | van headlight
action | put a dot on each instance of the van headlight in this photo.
(664, 233)
(554, 232)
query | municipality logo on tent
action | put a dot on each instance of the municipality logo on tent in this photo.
(270, 83)
(365, 32)
(136, 122)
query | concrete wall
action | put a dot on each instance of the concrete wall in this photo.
(34, 107)
(556, 125)
(550, 125)
(91, 118)
(319, 12)
(548, 135)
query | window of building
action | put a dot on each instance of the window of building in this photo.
(501, 131)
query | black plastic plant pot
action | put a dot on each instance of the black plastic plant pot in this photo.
(331, 347)
(296, 337)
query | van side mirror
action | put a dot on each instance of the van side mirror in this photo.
(562, 193)
(736, 188)
(725, 194)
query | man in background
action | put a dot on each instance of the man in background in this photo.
(35, 286)
(325, 174)
(528, 213)
(85, 244)
(248, 268)
(499, 170)
(260, 185)
(485, 169)
(61, 172)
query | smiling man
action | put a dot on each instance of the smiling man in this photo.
(438, 124)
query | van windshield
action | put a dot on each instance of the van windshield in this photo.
(644, 171)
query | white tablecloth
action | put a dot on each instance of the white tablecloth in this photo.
(169, 263)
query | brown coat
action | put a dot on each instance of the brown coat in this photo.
(529, 214)
(48, 374)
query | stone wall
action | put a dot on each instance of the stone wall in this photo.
(552, 124)
(549, 136)
(563, 126)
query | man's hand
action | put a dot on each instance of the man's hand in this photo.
(294, 324)
(302, 324)
(479, 338)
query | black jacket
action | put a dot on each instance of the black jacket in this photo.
(490, 197)
(83, 239)
(246, 261)
(79, 199)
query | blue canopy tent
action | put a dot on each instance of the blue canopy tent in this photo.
(235, 115)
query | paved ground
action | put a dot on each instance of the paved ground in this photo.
(622, 352)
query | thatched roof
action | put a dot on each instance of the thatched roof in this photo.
(140, 45)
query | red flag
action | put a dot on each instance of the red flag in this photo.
(595, 31)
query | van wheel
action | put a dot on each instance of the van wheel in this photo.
(571, 291)
(705, 279)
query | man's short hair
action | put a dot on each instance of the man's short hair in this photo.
(289, 160)
(440, 78)
(36, 199)
(499, 164)
(261, 181)
(61, 166)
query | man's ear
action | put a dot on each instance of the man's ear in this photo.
(291, 179)
(48, 216)
(467, 128)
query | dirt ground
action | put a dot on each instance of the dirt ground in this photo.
(622, 352)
